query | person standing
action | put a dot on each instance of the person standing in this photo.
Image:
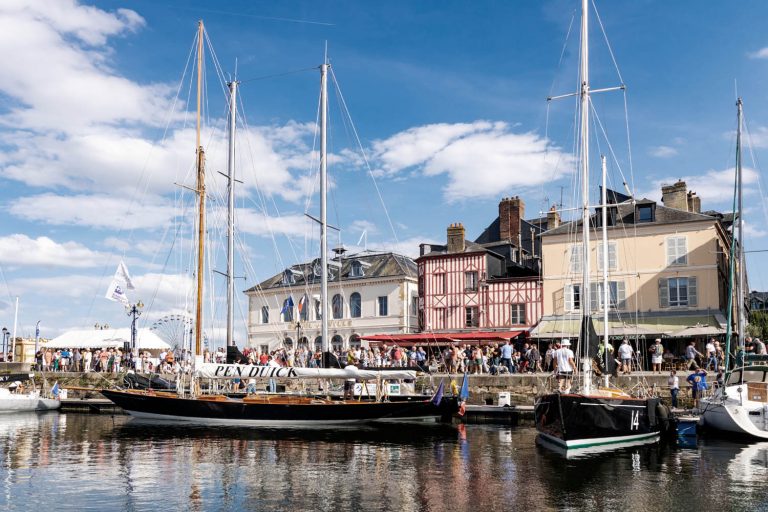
(657, 353)
(674, 387)
(711, 357)
(506, 356)
(564, 366)
(625, 355)
(690, 355)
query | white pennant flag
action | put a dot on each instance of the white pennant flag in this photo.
(120, 283)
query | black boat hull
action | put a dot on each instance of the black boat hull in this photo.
(579, 421)
(238, 412)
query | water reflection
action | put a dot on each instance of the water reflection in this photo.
(55, 461)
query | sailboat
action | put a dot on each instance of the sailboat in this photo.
(593, 416)
(741, 405)
(14, 398)
(272, 409)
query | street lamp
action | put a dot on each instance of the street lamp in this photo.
(134, 311)
(5, 342)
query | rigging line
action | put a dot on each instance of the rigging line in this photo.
(755, 164)
(277, 75)
(365, 157)
(562, 53)
(607, 42)
(629, 146)
(254, 16)
(608, 142)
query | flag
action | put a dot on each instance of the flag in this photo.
(464, 393)
(302, 303)
(120, 282)
(287, 304)
(438, 394)
(37, 330)
(55, 389)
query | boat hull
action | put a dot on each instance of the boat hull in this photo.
(228, 411)
(580, 421)
(731, 415)
(21, 404)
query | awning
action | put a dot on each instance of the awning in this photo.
(441, 338)
(567, 326)
(105, 338)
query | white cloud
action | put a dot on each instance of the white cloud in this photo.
(762, 53)
(713, 187)
(256, 223)
(408, 247)
(662, 151)
(757, 137)
(21, 250)
(481, 158)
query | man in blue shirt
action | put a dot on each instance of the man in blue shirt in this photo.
(506, 355)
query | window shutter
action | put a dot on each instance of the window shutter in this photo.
(663, 293)
(613, 260)
(621, 295)
(600, 257)
(594, 296)
(693, 299)
(568, 295)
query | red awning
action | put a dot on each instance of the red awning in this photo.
(441, 337)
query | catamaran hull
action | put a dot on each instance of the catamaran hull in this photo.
(578, 421)
(242, 413)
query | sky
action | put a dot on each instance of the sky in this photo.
(437, 110)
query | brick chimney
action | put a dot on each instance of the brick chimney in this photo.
(694, 202)
(675, 196)
(553, 218)
(456, 237)
(511, 212)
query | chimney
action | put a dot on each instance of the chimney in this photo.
(456, 237)
(675, 196)
(511, 212)
(694, 202)
(553, 218)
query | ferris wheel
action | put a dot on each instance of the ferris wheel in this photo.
(176, 330)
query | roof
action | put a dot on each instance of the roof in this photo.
(103, 338)
(375, 265)
(676, 324)
(626, 216)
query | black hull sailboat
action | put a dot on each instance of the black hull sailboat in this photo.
(578, 421)
(276, 410)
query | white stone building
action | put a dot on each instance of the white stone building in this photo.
(368, 293)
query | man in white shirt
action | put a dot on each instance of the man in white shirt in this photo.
(564, 365)
(711, 357)
(625, 355)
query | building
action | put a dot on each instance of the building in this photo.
(758, 301)
(667, 267)
(484, 290)
(369, 293)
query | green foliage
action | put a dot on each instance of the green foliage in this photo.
(758, 324)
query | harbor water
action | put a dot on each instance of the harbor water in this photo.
(99, 462)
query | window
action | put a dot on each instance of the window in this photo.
(337, 342)
(288, 343)
(440, 318)
(357, 269)
(382, 303)
(677, 250)
(318, 344)
(355, 305)
(304, 308)
(337, 303)
(678, 292)
(517, 314)
(573, 297)
(440, 283)
(414, 305)
(612, 256)
(287, 310)
(318, 310)
(264, 349)
(616, 295)
(470, 281)
(575, 258)
(645, 213)
(355, 341)
(471, 317)
(265, 314)
(288, 278)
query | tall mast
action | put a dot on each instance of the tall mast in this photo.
(201, 200)
(231, 215)
(606, 260)
(323, 193)
(585, 296)
(740, 247)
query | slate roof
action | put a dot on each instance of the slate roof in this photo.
(375, 265)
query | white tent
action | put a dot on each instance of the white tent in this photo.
(103, 338)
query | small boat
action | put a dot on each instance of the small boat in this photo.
(13, 397)
(741, 405)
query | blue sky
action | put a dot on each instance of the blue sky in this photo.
(448, 99)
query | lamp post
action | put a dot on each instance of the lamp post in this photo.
(5, 343)
(134, 311)
(298, 334)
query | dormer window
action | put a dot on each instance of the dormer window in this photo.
(288, 277)
(357, 269)
(645, 213)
